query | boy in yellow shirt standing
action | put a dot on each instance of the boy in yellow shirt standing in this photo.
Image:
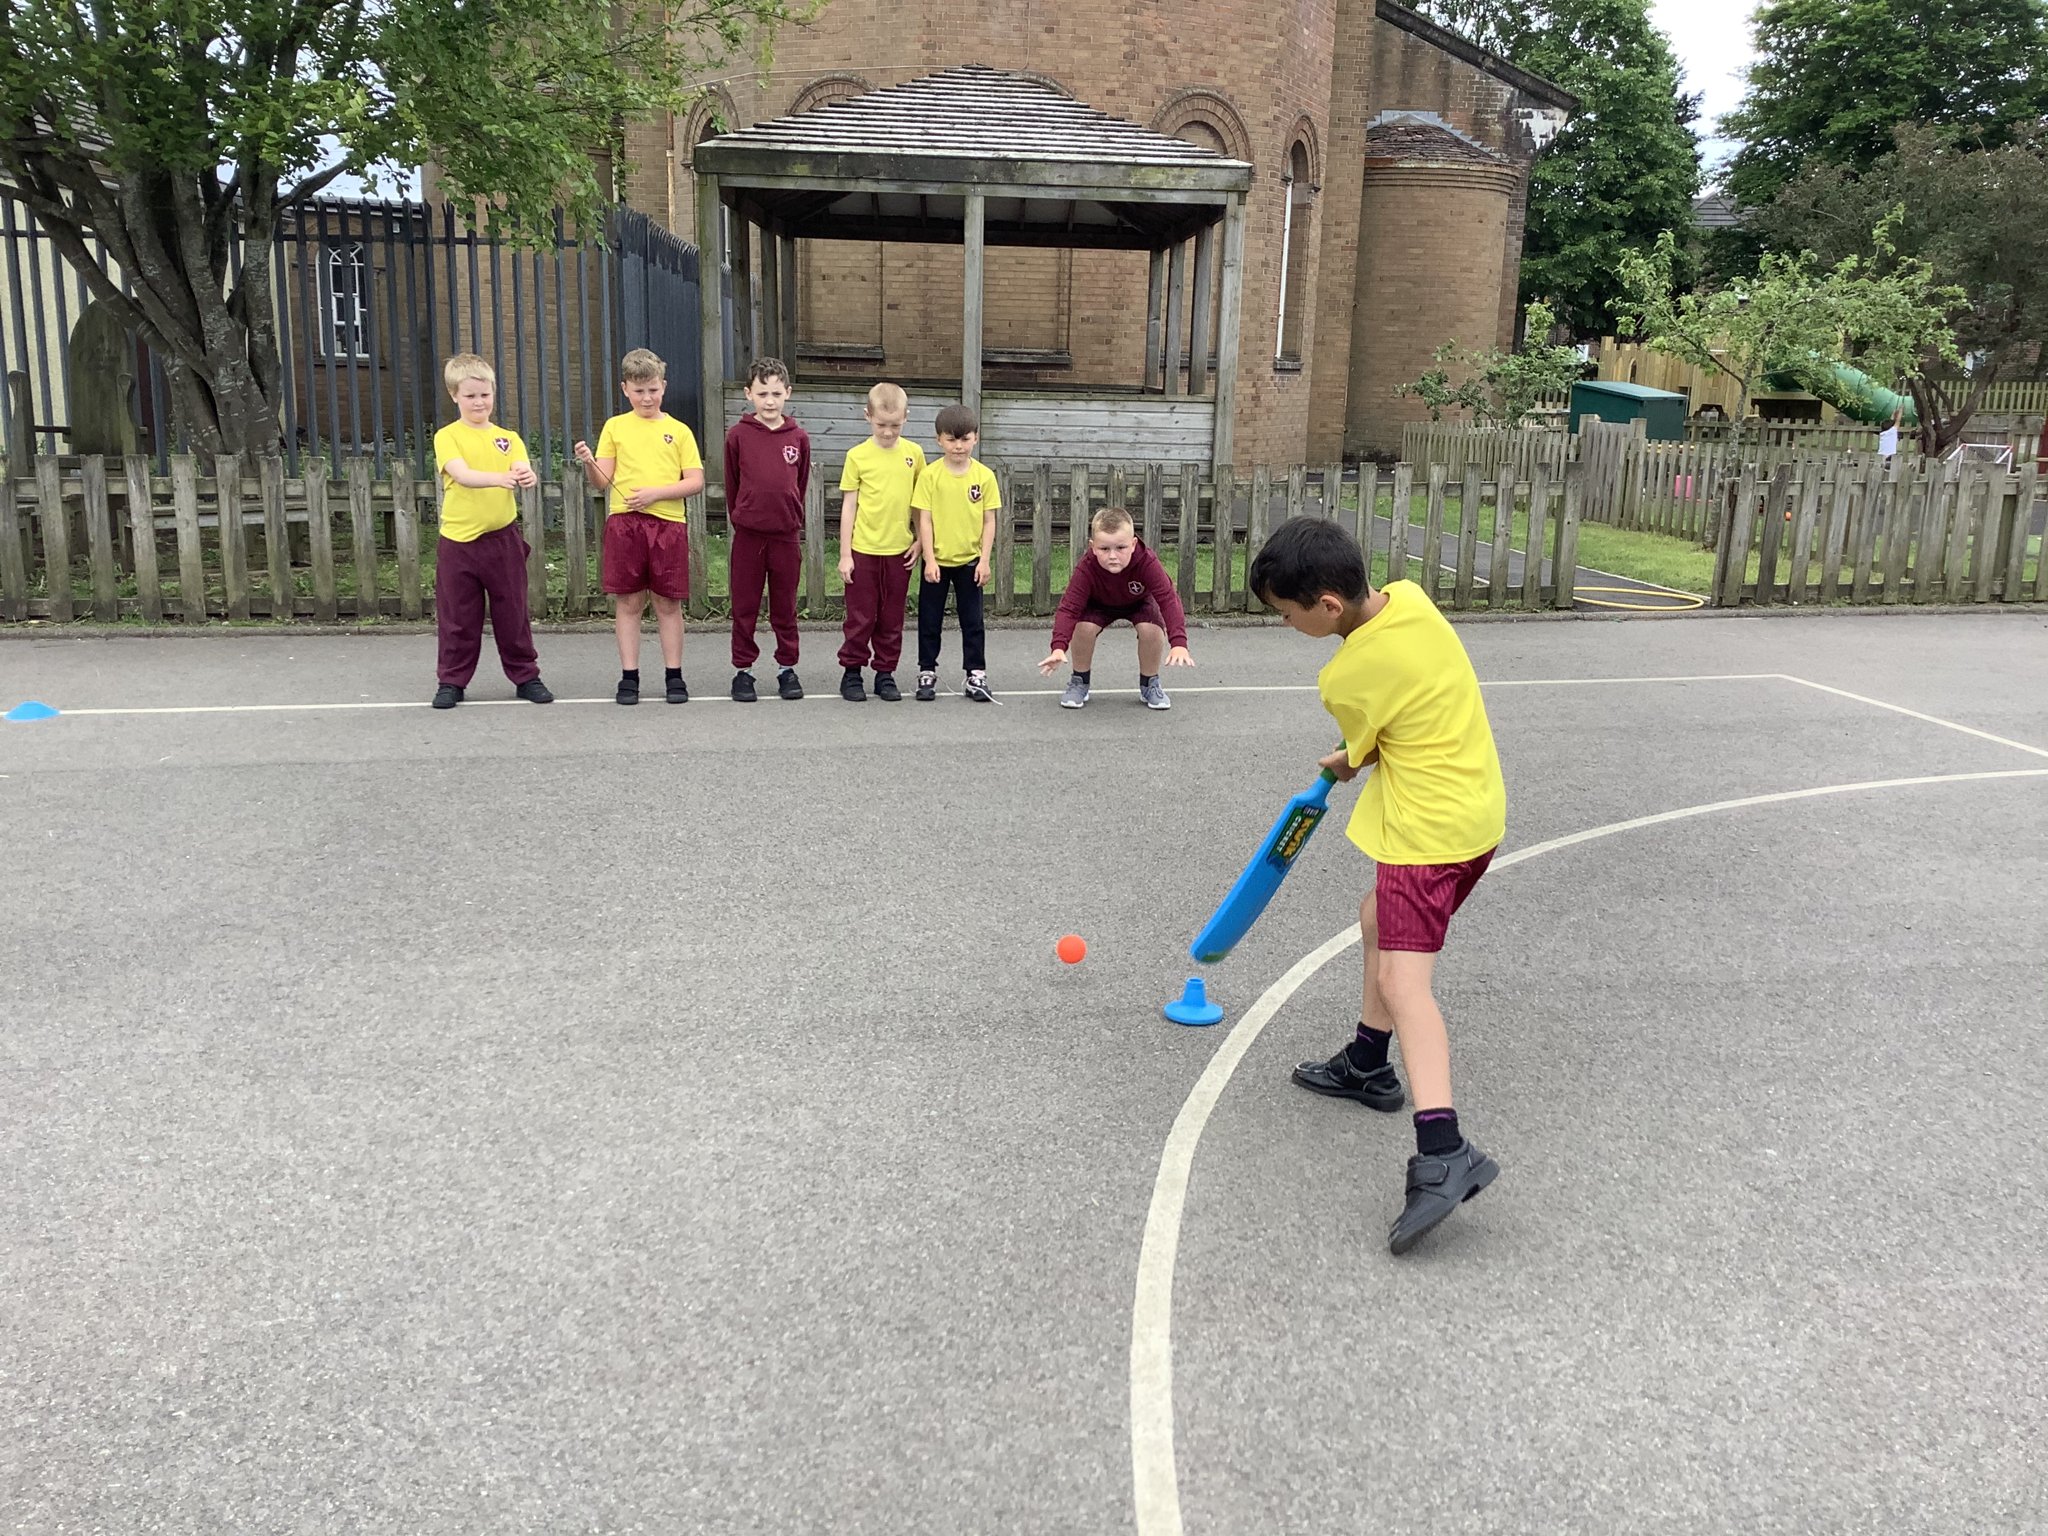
(1403, 692)
(649, 462)
(480, 557)
(956, 502)
(877, 544)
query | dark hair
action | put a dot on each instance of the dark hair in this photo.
(1306, 557)
(956, 421)
(766, 368)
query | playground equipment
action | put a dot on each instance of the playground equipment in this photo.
(1851, 391)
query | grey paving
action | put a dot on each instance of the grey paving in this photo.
(585, 1119)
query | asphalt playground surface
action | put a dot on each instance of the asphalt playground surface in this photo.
(579, 1119)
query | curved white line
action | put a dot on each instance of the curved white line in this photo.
(1155, 1478)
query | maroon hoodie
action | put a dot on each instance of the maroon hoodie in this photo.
(1118, 591)
(766, 473)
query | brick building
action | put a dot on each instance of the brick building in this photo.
(1390, 166)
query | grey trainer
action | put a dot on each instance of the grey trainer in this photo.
(1154, 695)
(1076, 696)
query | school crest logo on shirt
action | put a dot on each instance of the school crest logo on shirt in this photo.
(910, 461)
(502, 444)
(789, 454)
(668, 437)
(974, 493)
(1137, 588)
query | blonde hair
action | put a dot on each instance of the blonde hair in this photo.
(463, 366)
(887, 399)
(1109, 520)
(641, 366)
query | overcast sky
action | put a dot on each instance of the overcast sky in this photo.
(1711, 38)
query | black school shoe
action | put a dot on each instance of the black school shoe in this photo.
(447, 696)
(678, 692)
(534, 691)
(628, 691)
(743, 687)
(886, 689)
(1437, 1186)
(850, 688)
(927, 687)
(1338, 1078)
(787, 685)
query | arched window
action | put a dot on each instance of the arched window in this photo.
(345, 285)
(1298, 184)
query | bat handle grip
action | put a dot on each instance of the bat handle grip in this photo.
(1328, 777)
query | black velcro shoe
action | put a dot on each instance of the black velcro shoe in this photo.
(743, 687)
(534, 691)
(447, 696)
(1338, 1078)
(787, 686)
(850, 688)
(1437, 1186)
(886, 689)
(678, 691)
(628, 691)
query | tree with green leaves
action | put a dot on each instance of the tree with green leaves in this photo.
(1887, 317)
(1623, 171)
(1977, 217)
(1499, 388)
(1834, 78)
(178, 134)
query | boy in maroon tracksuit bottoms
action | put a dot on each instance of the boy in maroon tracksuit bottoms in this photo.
(767, 469)
(1118, 580)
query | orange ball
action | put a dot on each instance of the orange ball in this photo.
(1071, 949)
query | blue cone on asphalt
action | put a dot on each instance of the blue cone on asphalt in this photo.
(31, 710)
(1193, 1005)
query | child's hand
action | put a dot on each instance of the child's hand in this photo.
(931, 570)
(981, 573)
(583, 453)
(1338, 766)
(640, 500)
(846, 566)
(1179, 657)
(910, 558)
(1051, 664)
(522, 476)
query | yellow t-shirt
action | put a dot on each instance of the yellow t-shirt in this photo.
(884, 477)
(468, 513)
(1403, 683)
(657, 451)
(957, 504)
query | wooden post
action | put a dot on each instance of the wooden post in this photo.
(191, 558)
(13, 562)
(149, 585)
(1806, 514)
(771, 294)
(277, 539)
(405, 531)
(234, 547)
(1468, 544)
(1433, 533)
(1155, 507)
(1227, 343)
(1189, 532)
(1077, 515)
(697, 509)
(363, 536)
(1155, 320)
(320, 541)
(1003, 558)
(1834, 537)
(710, 326)
(1397, 537)
(2016, 527)
(1731, 555)
(785, 346)
(744, 313)
(535, 529)
(1989, 521)
(970, 324)
(1199, 319)
(576, 539)
(1041, 539)
(1500, 578)
(1772, 535)
(99, 538)
(1176, 309)
(56, 537)
(1532, 541)
(814, 547)
(1223, 564)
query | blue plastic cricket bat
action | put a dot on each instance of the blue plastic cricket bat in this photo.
(1233, 919)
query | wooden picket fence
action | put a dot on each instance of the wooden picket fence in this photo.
(112, 540)
(1868, 530)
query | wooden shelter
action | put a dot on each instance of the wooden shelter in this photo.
(977, 157)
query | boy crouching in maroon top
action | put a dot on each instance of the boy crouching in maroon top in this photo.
(767, 469)
(1118, 580)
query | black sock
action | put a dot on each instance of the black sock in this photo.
(1368, 1052)
(629, 674)
(672, 674)
(1436, 1132)
(1144, 678)
(1080, 677)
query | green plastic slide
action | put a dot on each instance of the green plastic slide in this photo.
(1852, 392)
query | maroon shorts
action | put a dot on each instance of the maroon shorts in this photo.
(1146, 612)
(1415, 901)
(645, 553)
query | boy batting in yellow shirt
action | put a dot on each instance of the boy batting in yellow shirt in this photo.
(1406, 700)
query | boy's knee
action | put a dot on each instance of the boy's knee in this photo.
(667, 607)
(1369, 921)
(1405, 977)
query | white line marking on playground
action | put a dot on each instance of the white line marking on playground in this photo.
(1155, 1477)
(1014, 693)
(1900, 709)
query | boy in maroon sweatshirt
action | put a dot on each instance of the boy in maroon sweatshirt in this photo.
(767, 468)
(1118, 580)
